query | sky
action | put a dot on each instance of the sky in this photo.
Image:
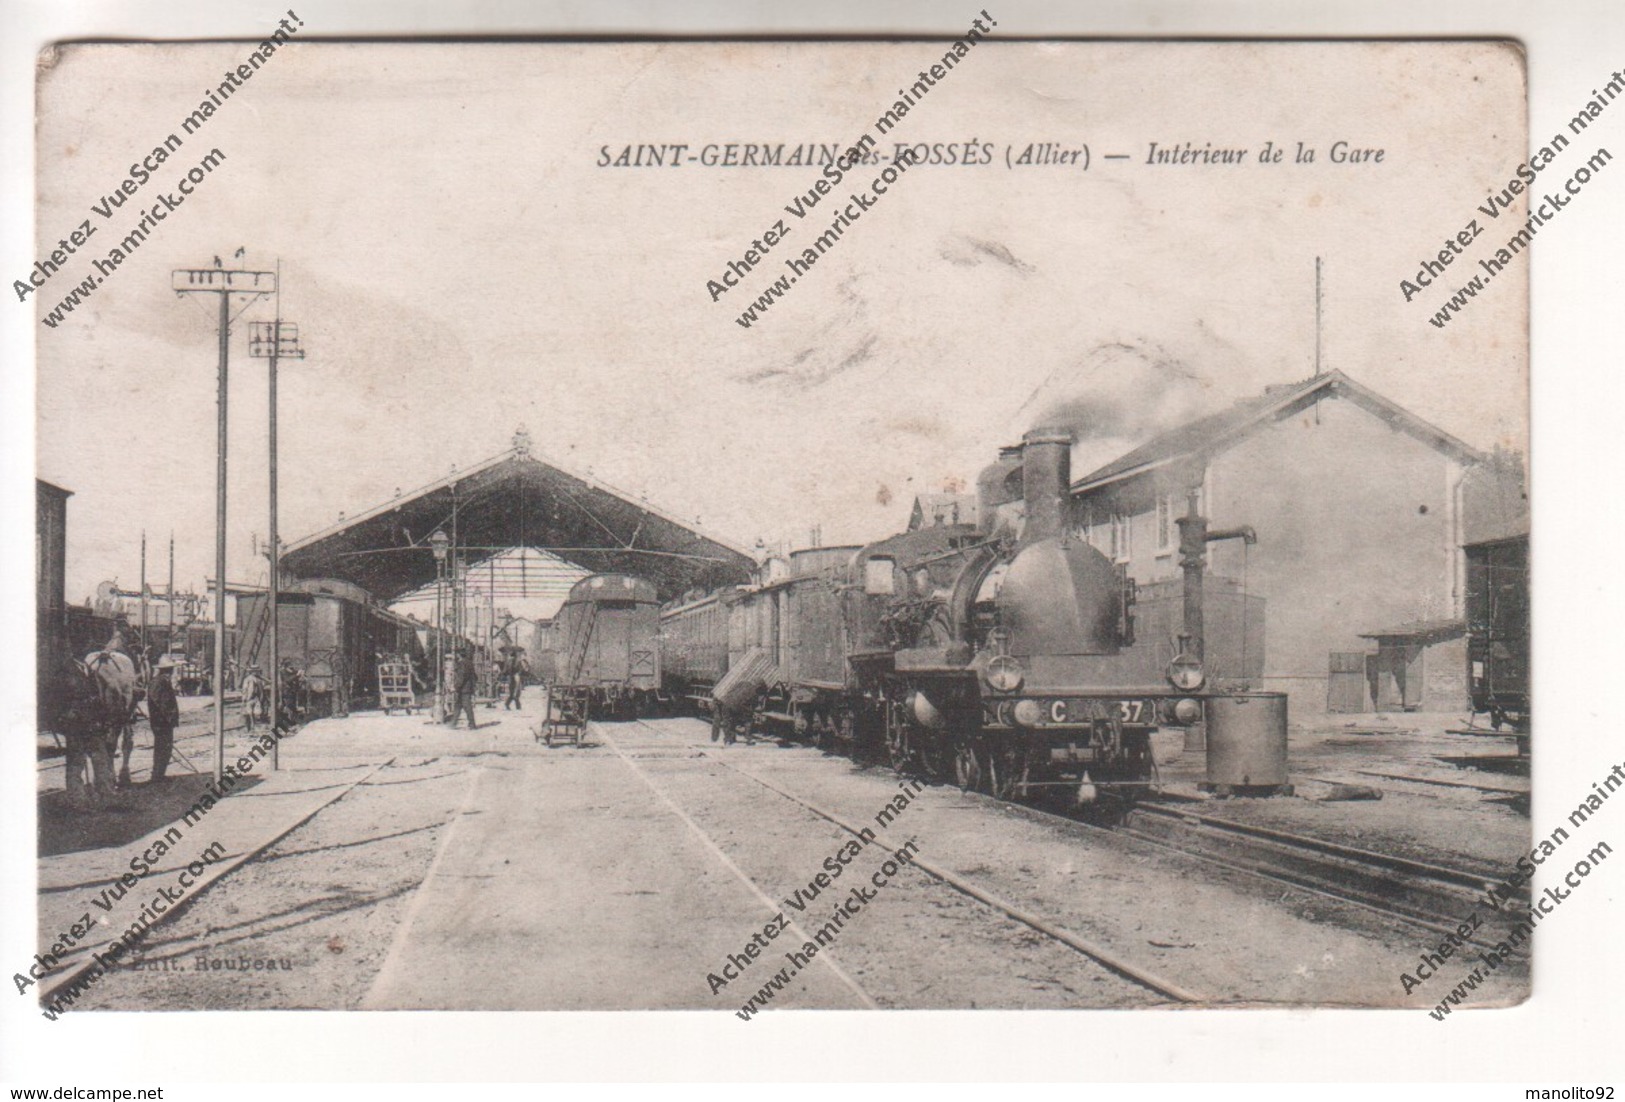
(460, 264)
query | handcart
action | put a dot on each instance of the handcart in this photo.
(395, 685)
(566, 722)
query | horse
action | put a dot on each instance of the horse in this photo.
(118, 686)
(93, 701)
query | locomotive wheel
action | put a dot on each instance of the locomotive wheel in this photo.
(897, 749)
(936, 759)
(1006, 774)
(967, 765)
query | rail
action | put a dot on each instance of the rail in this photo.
(1112, 961)
(1421, 893)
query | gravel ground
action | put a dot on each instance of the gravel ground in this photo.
(317, 919)
(1232, 937)
(921, 944)
(308, 923)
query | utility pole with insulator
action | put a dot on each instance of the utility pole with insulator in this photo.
(273, 341)
(224, 283)
(143, 595)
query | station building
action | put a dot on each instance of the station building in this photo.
(1360, 509)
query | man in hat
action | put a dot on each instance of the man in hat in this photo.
(514, 669)
(464, 680)
(163, 714)
(256, 694)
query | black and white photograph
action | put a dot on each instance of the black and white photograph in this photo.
(733, 534)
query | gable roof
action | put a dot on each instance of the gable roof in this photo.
(517, 500)
(1211, 435)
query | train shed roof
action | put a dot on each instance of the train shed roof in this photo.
(517, 500)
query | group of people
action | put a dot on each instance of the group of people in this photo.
(256, 690)
(511, 673)
(163, 706)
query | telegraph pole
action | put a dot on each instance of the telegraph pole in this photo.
(273, 341)
(224, 283)
(143, 592)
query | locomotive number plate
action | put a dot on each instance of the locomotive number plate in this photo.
(1075, 711)
(1088, 710)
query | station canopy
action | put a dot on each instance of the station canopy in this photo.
(530, 525)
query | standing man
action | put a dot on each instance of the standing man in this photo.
(288, 695)
(517, 669)
(464, 681)
(163, 714)
(256, 695)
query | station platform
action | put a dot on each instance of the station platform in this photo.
(391, 864)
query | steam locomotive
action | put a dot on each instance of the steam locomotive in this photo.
(994, 654)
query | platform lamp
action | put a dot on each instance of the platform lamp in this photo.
(439, 543)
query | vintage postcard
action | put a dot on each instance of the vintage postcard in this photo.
(751, 526)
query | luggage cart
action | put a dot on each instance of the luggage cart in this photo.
(395, 685)
(566, 722)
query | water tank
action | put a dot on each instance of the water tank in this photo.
(1246, 740)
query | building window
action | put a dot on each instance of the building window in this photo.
(1122, 544)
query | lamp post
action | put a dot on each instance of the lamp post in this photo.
(439, 542)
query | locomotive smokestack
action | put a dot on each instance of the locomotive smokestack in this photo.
(1046, 480)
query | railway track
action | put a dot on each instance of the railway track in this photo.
(1494, 790)
(1111, 960)
(1433, 896)
(1417, 893)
